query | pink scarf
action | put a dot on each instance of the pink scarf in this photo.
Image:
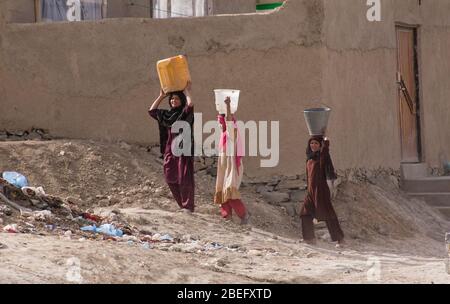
(223, 140)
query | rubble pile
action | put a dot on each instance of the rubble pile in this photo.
(20, 135)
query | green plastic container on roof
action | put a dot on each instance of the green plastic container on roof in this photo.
(268, 6)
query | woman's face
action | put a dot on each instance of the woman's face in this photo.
(314, 145)
(175, 101)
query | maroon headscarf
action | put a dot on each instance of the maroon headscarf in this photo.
(329, 168)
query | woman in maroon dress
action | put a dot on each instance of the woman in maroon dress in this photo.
(319, 168)
(178, 170)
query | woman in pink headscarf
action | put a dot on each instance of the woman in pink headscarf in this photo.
(230, 169)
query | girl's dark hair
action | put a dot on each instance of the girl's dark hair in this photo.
(182, 97)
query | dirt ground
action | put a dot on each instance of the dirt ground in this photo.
(391, 238)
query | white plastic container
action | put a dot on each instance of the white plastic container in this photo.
(221, 95)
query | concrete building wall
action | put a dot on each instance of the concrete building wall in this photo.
(360, 65)
(233, 7)
(20, 11)
(97, 79)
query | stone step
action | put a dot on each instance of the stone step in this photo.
(426, 184)
(413, 171)
(434, 199)
(445, 212)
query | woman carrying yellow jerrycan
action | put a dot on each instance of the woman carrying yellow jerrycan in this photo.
(178, 170)
(230, 169)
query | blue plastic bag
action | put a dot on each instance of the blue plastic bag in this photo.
(108, 229)
(15, 179)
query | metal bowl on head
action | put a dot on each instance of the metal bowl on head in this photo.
(317, 120)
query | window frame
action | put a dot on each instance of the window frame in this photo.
(38, 10)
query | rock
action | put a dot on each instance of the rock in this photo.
(324, 236)
(33, 136)
(254, 252)
(261, 189)
(298, 208)
(114, 200)
(116, 211)
(381, 230)
(297, 195)
(311, 255)
(44, 215)
(155, 151)
(15, 138)
(46, 136)
(274, 182)
(103, 203)
(212, 171)
(275, 197)
(290, 208)
(6, 210)
(394, 180)
(289, 185)
(127, 238)
(222, 262)
(125, 146)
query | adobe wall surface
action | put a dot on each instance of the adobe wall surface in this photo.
(97, 79)
(360, 65)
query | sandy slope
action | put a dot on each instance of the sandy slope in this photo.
(391, 238)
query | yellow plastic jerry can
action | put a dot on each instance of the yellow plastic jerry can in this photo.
(173, 73)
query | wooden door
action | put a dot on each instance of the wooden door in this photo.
(407, 77)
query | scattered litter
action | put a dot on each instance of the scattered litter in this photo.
(92, 217)
(107, 229)
(131, 238)
(10, 228)
(6, 210)
(213, 246)
(146, 245)
(33, 191)
(15, 179)
(166, 237)
(50, 227)
(43, 215)
(29, 225)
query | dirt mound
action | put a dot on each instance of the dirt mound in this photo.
(123, 184)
